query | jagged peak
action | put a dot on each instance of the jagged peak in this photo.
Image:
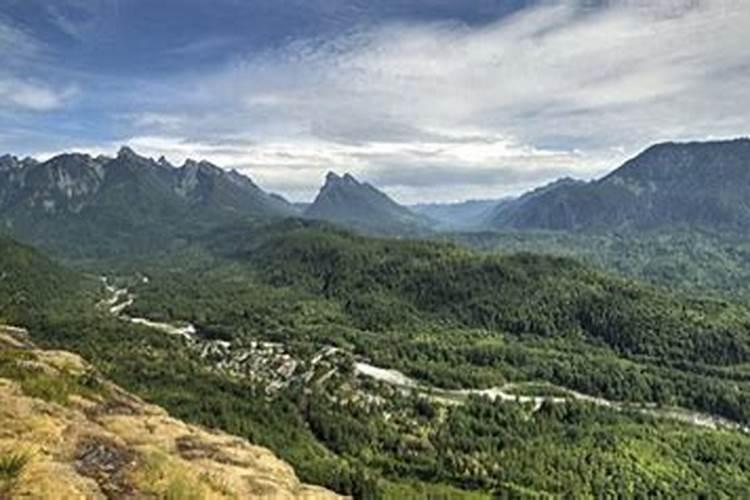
(69, 156)
(332, 176)
(71, 160)
(8, 162)
(164, 162)
(202, 166)
(350, 178)
(126, 152)
(28, 162)
(333, 179)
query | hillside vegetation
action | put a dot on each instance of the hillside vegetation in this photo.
(687, 260)
(31, 284)
(456, 319)
(69, 433)
(452, 319)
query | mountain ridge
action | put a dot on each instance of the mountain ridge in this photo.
(346, 201)
(702, 184)
(79, 205)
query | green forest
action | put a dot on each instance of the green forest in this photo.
(444, 315)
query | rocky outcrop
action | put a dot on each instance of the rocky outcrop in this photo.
(68, 433)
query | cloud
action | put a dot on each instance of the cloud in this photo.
(17, 48)
(458, 167)
(448, 110)
(32, 96)
(22, 55)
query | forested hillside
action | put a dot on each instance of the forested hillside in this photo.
(455, 319)
(286, 313)
(383, 283)
(691, 261)
(32, 285)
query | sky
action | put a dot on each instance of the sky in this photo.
(430, 100)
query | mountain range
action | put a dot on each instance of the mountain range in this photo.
(671, 184)
(83, 206)
(283, 324)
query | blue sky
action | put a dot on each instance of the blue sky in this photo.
(428, 99)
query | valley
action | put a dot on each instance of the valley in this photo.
(458, 365)
(270, 364)
(374, 250)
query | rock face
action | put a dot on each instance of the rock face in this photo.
(348, 202)
(76, 204)
(693, 184)
(68, 433)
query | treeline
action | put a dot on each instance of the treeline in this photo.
(560, 450)
(691, 260)
(386, 284)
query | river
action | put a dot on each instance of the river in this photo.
(121, 299)
(449, 396)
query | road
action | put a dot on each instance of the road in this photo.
(398, 379)
(121, 299)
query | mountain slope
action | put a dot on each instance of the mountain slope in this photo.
(31, 284)
(209, 188)
(384, 282)
(348, 202)
(451, 216)
(694, 184)
(453, 319)
(506, 211)
(69, 433)
(81, 206)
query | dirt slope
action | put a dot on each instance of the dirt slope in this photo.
(66, 433)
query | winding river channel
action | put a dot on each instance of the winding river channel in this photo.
(121, 298)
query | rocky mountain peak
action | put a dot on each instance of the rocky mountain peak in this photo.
(333, 180)
(8, 162)
(332, 177)
(126, 153)
(345, 200)
(164, 162)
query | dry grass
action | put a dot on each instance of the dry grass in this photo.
(83, 437)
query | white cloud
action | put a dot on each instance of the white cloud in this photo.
(32, 96)
(555, 89)
(15, 45)
(462, 166)
(20, 54)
